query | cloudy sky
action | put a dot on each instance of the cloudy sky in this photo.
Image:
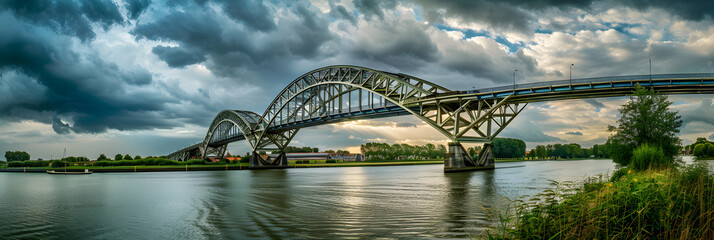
(147, 77)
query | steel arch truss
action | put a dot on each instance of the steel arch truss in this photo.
(471, 120)
(338, 91)
(233, 125)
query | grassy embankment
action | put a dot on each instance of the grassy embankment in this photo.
(677, 202)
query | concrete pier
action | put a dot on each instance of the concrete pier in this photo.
(256, 161)
(457, 159)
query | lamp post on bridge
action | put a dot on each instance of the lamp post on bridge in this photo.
(571, 75)
(514, 80)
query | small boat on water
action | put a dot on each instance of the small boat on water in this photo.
(86, 171)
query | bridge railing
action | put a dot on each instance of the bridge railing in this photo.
(594, 80)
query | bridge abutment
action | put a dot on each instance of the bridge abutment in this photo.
(256, 161)
(457, 159)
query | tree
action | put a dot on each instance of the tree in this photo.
(541, 152)
(710, 150)
(509, 148)
(137, 157)
(700, 150)
(102, 157)
(127, 157)
(646, 119)
(117, 157)
(17, 156)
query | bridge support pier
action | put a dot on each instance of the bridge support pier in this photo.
(457, 159)
(256, 161)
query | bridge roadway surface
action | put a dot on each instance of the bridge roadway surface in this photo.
(463, 116)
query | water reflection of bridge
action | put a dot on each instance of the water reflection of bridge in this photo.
(343, 93)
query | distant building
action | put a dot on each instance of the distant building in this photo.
(348, 157)
(228, 156)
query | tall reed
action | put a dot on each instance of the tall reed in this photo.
(677, 202)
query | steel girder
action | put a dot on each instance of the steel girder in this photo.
(472, 120)
(333, 91)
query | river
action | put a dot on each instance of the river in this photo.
(350, 202)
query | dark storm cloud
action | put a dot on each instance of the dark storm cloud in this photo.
(136, 7)
(576, 133)
(703, 113)
(403, 44)
(69, 17)
(60, 127)
(252, 13)
(178, 57)
(339, 11)
(374, 8)
(691, 10)
(520, 15)
(92, 93)
(230, 51)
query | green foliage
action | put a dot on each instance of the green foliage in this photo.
(671, 204)
(291, 149)
(196, 162)
(710, 150)
(646, 119)
(102, 157)
(700, 140)
(617, 175)
(645, 157)
(509, 148)
(474, 151)
(127, 157)
(331, 161)
(16, 156)
(384, 151)
(700, 150)
(137, 157)
(245, 159)
(145, 162)
(75, 159)
(29, 164)
(117, 157)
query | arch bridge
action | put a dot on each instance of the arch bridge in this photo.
(344, 93)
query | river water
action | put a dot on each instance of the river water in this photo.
(351, 202)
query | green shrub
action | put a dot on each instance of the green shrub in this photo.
(244, 160)
(671, 204)
(710, 150)
(146, 162)
(646, 156)
(700, 150)
(196, 162)
(29, 164)
(618, 174)
(331, 161)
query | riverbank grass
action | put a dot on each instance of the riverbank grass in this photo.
(676, 202)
